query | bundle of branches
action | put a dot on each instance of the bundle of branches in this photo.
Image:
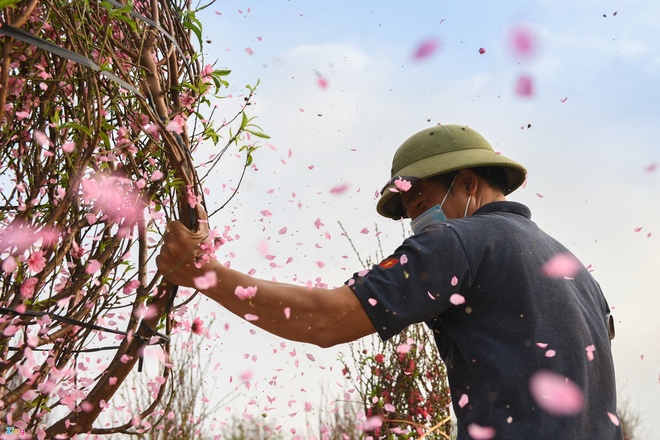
(102, 105)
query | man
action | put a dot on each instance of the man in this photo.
(521, 326)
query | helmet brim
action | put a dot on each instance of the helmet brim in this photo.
(390, 206)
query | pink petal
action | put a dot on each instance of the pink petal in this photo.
(550, 353)
(613, 418)
(251, 317)
(457, 299)
(524, 86)
(463, 400)
(523, 41)
(454, 281)
(556, 394)
(561, 266)
(403, 259)
(364, 231)
(287, 312)
(482, 50)
(373, 301)
(339, 189)
(426, 49)
(249, 51)
(92, 267)
(478, 432)
(206, 281)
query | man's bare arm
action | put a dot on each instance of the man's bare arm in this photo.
(324, 317)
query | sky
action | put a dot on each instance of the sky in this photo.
(343, 84)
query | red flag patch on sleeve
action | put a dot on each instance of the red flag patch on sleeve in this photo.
(386, 264)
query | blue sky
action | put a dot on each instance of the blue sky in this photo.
(588, 136)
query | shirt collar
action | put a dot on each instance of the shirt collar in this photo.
(505, 206)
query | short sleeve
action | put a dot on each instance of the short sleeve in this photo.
(425, 276)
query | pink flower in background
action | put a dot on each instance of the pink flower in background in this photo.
(27, 288)
(197, 326)
(36, 262)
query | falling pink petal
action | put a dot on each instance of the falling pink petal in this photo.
(652, 167)
(41, 138)
(542, 344)
(550, 353)
(372, 301)
(402, 184)
(561, 266)
(389, 407)
(251, 317)
(457, 299)
(206, 281)
(523, 41)
(339, 189)
(364, 231)
(403, 259)
(372, 423)
(249, 51)
(310, 357)
(565, 99)
(287, 312)
(482, 50)
(637, 229)
(454, 281)
(318, 223)
(244, 293)
(463, 400)
(322, 82)
(556, 394)
(282, 231)
(613, 418)
(524, 86)
(590, 352)
(426, 49)
(478, 432)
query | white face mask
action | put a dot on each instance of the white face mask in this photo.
(431, 216)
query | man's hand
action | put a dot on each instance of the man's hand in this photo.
(181, 259)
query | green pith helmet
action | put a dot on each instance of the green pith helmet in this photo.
(439, 150)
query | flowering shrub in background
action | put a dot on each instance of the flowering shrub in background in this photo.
(102, 105)
(402, 385)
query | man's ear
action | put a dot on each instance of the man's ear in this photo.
(468, 180)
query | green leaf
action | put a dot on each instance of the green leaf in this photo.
(8, 3)
(258, 134)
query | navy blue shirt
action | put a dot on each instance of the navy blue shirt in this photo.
(498, 319)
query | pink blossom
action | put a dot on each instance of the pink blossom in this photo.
(92, 266)
(555, 394)
(197, 326)
(244, 293)
(372, 423)
(176, 124)
(9, 265)
(27, 288)
(36, 262)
